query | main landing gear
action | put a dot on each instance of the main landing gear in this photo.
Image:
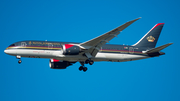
(19, 57)
(88, 61)
(83, 68)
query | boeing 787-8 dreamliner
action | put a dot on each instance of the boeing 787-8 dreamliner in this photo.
(64, 54)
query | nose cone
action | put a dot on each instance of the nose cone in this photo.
(6, 51)
(10, 51)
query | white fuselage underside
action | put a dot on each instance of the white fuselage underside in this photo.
(54, 54)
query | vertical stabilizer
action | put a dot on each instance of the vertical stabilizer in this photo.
(150, 39)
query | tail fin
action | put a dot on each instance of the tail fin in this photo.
(150, 39)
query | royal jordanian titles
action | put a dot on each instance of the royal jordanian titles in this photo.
(64, 54)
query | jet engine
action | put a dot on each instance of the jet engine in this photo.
(57, 64)
(69, 49)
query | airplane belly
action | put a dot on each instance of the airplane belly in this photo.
(114, 56)
(40, 53)
(118, 57)
(57, 54)
(108, 57)
(132, 56)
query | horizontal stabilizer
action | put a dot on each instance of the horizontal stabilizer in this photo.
(159, 48)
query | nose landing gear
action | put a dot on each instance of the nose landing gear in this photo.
(19, 61)
(19, 57)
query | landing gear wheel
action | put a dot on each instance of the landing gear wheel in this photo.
(19, 61)
(87, 61)
(81, 68)
(85, 69)
(91, 62)
(82, 65)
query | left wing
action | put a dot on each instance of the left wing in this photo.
(91, 47)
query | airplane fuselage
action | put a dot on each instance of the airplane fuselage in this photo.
(54, 50)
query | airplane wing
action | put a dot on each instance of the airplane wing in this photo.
(91, 47)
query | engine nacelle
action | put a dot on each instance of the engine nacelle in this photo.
(57, 64)
(69, 49)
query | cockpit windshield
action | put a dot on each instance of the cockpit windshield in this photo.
(12, 45)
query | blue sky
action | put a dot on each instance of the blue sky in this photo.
(78, 21)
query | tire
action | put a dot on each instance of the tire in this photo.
(19, 61)
(87, 61)
(91, 62)
(81, 68)
(85, 69)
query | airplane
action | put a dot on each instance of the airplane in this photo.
(64, 54)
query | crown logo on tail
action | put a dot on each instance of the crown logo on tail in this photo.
(150, 39)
